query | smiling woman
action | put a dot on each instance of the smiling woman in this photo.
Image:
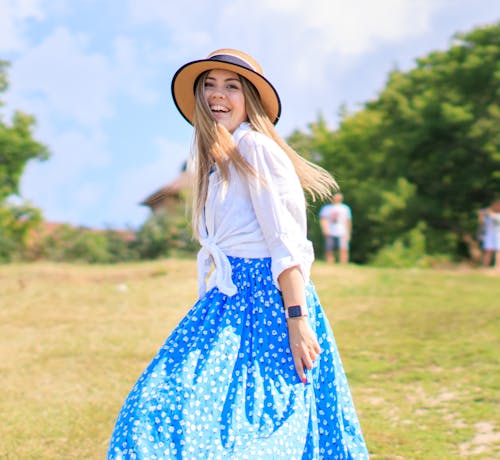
(252, 371)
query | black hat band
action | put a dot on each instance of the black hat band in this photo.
(231, 60)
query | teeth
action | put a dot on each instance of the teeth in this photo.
(219, 108)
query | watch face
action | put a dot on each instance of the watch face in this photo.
(295, 311)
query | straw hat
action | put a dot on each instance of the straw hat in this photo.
(183, 83)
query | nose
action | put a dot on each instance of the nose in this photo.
(216, 92)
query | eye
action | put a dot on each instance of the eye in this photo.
(208, 84)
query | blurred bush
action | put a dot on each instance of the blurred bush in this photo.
(160, 236)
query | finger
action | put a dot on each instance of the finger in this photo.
(313, 355)
(299, 367)
(307, 362)
(316, 347)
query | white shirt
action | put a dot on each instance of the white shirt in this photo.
(254, 217)
(338, 215)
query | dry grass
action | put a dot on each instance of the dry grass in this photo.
(420, 348)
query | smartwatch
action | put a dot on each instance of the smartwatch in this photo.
(295, 311)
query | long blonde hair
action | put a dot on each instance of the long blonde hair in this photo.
(214, 146)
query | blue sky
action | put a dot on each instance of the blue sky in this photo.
(96, 74)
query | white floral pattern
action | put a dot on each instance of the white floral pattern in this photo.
(224, 386)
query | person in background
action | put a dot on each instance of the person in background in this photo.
(253, 370)
(336, 226)
(489, 219)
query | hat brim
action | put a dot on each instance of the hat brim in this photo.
(185, 78)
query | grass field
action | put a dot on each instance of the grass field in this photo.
(420, 347)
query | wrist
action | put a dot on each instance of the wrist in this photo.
(295, 311)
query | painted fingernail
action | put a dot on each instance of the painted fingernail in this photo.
(304, 380)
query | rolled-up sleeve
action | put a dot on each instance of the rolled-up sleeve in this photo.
(279, 204)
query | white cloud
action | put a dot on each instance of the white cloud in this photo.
(151, 176)
(340, 26)
(72, 92)
(72, 83)
(191, 27)
(76, 150)
(300, 38)
(88, 195)
(12, 22)
(130, 75)
(135, 184)
(304, 46)
(78, 84)
(61, 186)
(354, 27)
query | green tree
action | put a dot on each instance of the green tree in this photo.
(17, 147)
(443, 118)
(16, 225)
(165, 234)
(425, 155)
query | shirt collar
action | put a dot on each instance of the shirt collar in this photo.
(240, 131)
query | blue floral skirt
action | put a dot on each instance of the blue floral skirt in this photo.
(224, 385)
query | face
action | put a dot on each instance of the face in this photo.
(224, 95)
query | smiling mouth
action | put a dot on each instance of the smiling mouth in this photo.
(219, 109)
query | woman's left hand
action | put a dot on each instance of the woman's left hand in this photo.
(304, 345)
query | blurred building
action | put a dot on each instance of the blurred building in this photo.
(168, 198)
